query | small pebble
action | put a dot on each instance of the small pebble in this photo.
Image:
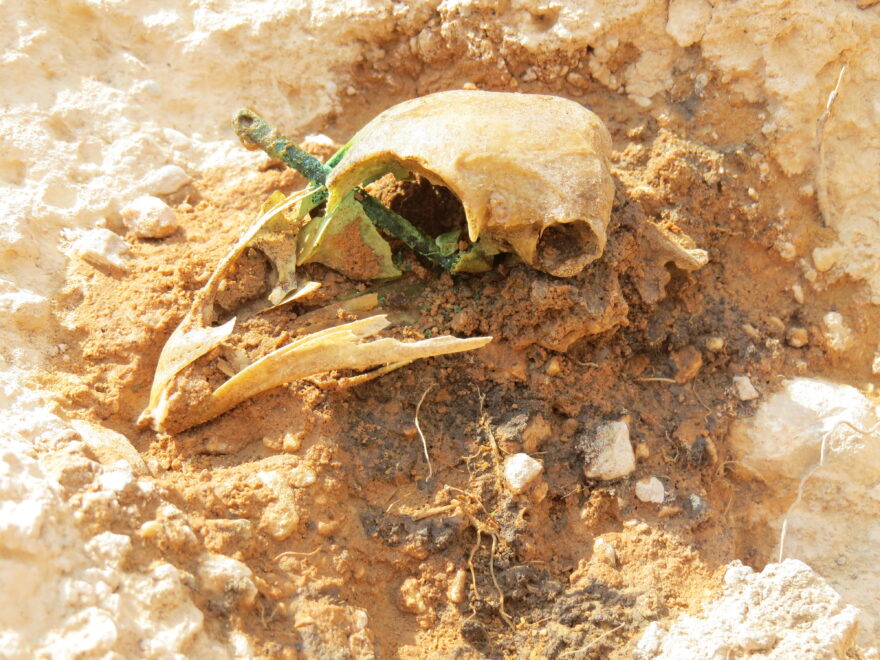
(798, 292)
(650, 490)
(753, 333)
(610, 454)
(411, 598)
(604, 552)
(798, 337)
(837, 333)
(579, 80)
(744, 388)
(321, 139)
(520, 470)
(101, 247)
(226, 582)
(149, 217)
(327, 527)
(291, 442)
(696, 507)
(715, 344)
(875, 365)
(166, 180)
(553, 366)
(687, 363)
(457, 587)
(776, 324)
(824, 258)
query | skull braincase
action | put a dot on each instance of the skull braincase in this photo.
(530, 170)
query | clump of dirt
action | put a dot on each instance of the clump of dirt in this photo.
(456, 564)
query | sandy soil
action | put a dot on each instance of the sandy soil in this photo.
(372, 531)
(322, 492)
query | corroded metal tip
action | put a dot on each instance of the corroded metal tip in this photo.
(256, 133)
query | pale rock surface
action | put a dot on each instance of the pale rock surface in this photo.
(101, 247)
(744, 388)
(785, 611)
(783, 440)
(650, 490)
(149, 217)
(825, 258)
(834, 525)
(109, 446)
(837, 333)
(62, 595)
(166, 180)
(610, 453)
(520, 470)
(687, 20)
(281, 518)
(603, 551)
(27, 309)
(226, 581)
(332, 630)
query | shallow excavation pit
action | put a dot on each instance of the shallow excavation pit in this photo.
(455, 506)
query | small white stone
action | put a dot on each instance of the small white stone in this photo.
(715, 344)
(875, 365)
(797, 291)
(321, 139)
(612, 453)
(837, 333)
(109, 547)
(650, 490)
(26, 308)
(520, 470)
(149, 217)
(166, 180)
(226, 581)
(116, 480)
(604, 552)
(744, 388)
(101, 247)
(825, 258)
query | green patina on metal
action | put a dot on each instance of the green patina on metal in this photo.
(256, 133)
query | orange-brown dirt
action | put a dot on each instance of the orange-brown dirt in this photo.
(455, 566)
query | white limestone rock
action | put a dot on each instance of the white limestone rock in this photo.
(227, 582)
(744, 388)
(149, 217)
(784, 438)
(833, 524)
(785, 611)
(824, 258)
(520, 470)
(837, 333)
(166, 180)
(281, 517)
(101, 247)
(604, 552)
(650, 490)
(609, 454)
(687, 20)
(26, 309)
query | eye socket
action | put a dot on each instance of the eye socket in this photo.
(565, 249)
(432, 208)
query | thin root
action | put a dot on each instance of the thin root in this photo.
(820, 464)
(422, 435)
